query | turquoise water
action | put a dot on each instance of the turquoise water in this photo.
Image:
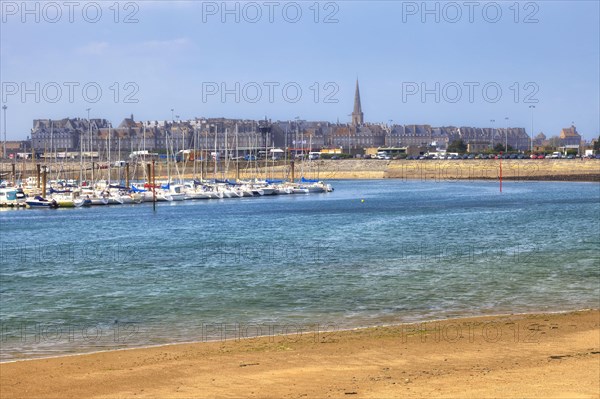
(78, 280)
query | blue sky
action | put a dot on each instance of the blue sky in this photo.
(467, 68)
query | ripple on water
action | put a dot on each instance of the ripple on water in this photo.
(411, 251)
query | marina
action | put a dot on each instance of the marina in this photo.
(106, 194)
(39, 192)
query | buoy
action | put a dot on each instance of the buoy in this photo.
(362, 200)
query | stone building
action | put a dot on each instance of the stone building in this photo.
(569, 137)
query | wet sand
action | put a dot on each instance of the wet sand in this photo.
(537, 355)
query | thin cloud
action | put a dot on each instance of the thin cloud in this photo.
(172, 44)
(94, 48)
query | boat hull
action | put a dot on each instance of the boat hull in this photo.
(41, 204)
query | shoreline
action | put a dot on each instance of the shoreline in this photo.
(342, 330)
(463, 357)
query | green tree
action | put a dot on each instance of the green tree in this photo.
(457, 146)
(500, 147)
(597, 144)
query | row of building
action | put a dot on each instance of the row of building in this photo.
(98, 135)
(207, 133)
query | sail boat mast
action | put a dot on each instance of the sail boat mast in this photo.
(109, 134)
(226, 170)
(216, 154)
(237, 151)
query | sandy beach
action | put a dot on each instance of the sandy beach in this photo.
(536, 355)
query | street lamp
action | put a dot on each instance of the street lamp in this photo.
(492, 120)
(90, 133)
(506, 135)
(349, 134)
(178, 135)
(531, 107)
(4, 148)
(297, 119)
(81, 148)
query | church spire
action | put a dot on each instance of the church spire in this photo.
(357, 114)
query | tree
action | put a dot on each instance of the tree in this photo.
(457, 146)
(554, 142)
(597, 145)
(500, 147)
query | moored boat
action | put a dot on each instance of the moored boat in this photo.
(12, 196)
(40, 202)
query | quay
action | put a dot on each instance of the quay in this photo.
(518, 169)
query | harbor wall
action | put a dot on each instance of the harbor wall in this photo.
(437, 170)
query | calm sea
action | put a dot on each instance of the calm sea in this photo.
(370, 253)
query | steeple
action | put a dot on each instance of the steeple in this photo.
(357, 114)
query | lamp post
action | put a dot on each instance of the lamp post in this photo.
(4, 117)
(297, 118)
(178, 132)
(349, 140)
(51, 136)
(506, 135)
(349, 133)
(81, 149)
(286, 141)
(492, 120)
(89, 130)
(531, 107)
(573, 131)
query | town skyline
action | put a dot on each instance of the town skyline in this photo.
(356, 114)
(357, 133)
